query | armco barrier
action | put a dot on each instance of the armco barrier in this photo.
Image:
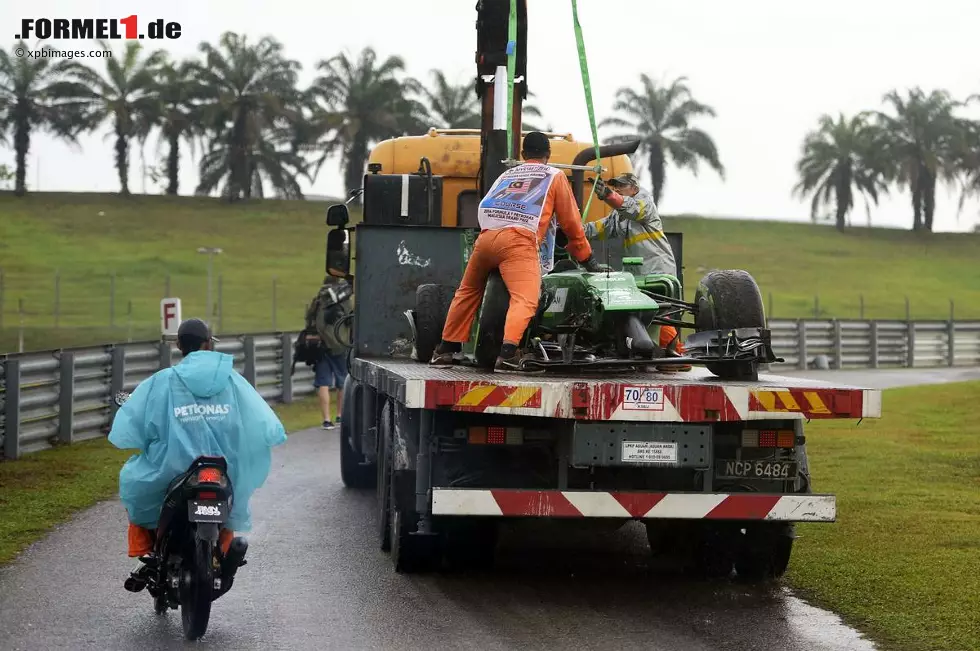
(61, 396)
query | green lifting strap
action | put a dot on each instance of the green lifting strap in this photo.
(511, 64)
(587, 86)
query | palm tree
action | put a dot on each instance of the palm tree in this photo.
(125, 95)
(251, 109)
(177, 113)
(968, 161)
(924, 141)
(364, 101)
(34, 95)
(839, 157)
(456, 106)
(452, 106)
(660, 117)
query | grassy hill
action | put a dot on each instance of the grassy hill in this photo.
(85, 239)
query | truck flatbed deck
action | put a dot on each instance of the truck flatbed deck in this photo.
(695, 396)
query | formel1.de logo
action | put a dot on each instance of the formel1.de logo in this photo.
(130, 27)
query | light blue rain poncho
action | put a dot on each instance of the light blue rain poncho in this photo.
(201, 406)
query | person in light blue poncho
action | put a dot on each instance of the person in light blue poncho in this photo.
(201, 406)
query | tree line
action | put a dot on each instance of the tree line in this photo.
(240, 102)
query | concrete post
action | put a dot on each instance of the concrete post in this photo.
(165, 355)
(838, 344)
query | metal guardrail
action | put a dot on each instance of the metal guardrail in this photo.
(850, 344)
(61, 396)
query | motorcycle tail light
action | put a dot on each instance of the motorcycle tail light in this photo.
(209, 476)
(207, 495)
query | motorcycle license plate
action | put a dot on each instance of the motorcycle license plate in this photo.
(207, 511)
(786, 470)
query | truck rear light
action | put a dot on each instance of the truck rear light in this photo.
(768, 438)
(477, 435)
(496, 435)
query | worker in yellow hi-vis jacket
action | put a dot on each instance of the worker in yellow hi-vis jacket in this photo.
(636, 220)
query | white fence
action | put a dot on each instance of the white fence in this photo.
(61, 396)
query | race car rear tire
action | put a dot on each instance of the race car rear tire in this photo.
(493, 314)
(431, 307)
(730, 299)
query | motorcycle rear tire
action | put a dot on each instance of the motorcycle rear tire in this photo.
(195, 607)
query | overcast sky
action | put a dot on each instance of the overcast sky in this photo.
(768, 67)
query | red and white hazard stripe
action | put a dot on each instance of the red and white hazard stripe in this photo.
(606, 504)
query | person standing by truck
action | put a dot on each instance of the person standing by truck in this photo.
(323, 343)
(636, 220)
(514, 217)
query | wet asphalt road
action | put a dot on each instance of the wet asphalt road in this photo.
(317, 580)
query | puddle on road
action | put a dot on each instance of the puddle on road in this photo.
(821, 628)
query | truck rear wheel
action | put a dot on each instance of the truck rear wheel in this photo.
(493, 315)
(354, 471)
(385, 431)
(765, 551)
(726, 300)
(431, 307)
(410, 552)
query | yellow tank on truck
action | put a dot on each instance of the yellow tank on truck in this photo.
(455, 156)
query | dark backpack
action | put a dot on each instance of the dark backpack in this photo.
(321, 334)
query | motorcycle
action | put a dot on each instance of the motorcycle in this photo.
(187, 569)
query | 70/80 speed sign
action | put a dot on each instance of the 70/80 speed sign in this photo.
(643, 398)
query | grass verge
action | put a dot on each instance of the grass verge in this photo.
(903, 560)
(41, 490)
(88, 267)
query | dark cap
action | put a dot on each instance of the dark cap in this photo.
(536, 143)
(626, 178)
(195, 328)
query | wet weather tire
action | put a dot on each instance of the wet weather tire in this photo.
(493, 315)
(726, 300)
(764, 552)
(195, 607)
(431, 307)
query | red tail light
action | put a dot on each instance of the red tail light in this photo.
(207, 495)
(209, 476)
(496, 435)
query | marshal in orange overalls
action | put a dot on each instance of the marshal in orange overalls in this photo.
(514, 218)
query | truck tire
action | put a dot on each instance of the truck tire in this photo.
(726, 300)
(493, 315)
(411, 554)
(764, 552)
(354, 472)
(431, 307)
(385, 432)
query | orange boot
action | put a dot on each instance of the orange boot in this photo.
(670, 341)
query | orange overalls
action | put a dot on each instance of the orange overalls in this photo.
(513, 249)
(141, 540)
